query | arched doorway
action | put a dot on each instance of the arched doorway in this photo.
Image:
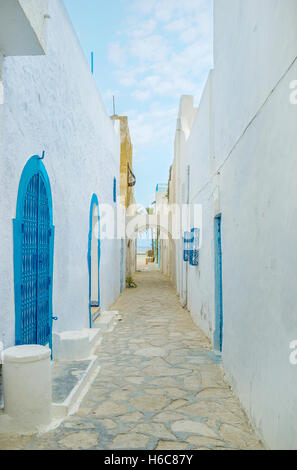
(94, 260)
(33, 256)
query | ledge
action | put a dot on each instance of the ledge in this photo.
(18, 37)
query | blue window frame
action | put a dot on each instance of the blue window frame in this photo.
(114, 190)
(194, 253)
(188, 239)
(33, 236)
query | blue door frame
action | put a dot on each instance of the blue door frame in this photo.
(33, 237)
(218, 333)
(94, 202)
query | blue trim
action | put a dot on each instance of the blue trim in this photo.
(195, 247)
(218, 333)
(33, 166)
(188, 242)
(94, 202)
(114, 190)
(159, 254)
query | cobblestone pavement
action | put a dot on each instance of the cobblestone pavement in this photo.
(160, 386)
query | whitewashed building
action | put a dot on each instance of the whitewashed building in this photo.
(236, 156)
(59, 163)
(163, 234)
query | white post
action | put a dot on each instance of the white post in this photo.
(28, 384)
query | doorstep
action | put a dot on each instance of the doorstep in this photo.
(95, 339)
(76, 345)
(107, 320)
(70, 382)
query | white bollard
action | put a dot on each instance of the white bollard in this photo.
(28, 384)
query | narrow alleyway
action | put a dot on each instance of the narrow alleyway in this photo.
(160, 386)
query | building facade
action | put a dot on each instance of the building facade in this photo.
(59, 158)
(235, 157)
(126, 195)
(163, 235)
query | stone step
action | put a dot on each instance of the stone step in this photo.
(71, 381)
(106, 321)
(76, 345)
(95, 338)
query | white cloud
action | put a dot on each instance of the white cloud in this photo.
(117, 54)
(165, 51)
(151, 48)
(152, 127)
(143, 29)
(143, 7)
(176, 25)
(169, 58)
(141, 95)
(189, 35)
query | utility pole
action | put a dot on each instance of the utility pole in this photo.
(113, 102)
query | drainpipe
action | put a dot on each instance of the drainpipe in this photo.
(1, 110)
(187, 201)
(179, 262)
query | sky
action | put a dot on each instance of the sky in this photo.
(147, 53)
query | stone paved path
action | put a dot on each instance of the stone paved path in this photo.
(160, 387)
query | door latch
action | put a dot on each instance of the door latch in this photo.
(55, 318)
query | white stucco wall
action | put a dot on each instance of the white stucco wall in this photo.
(194, 149)
(52, 104)
(259, 209)
(186, 117)
(258, 202)
(199, 149)
(254, 44)
(246, 169)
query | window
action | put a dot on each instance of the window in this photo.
(194, 253)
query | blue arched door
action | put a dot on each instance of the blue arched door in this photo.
(94, 253)
(33, 256)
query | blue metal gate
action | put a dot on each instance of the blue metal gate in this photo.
(43, 275)
(33, 260)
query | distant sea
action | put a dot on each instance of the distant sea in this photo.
(143, 245)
